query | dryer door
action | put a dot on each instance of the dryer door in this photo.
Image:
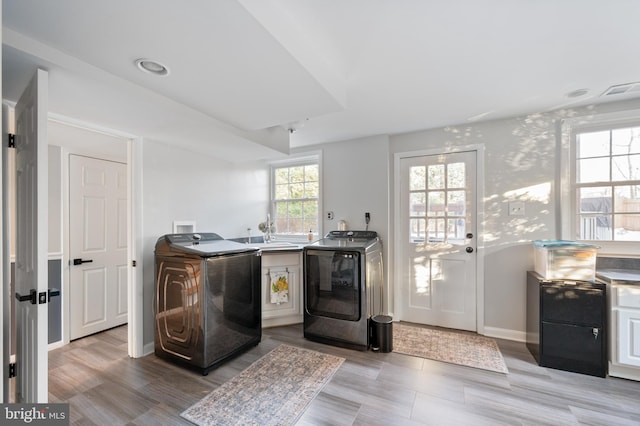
(333, 285)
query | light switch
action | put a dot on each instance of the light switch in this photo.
(516, 208)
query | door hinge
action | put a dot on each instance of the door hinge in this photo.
(11, 140)
(133, 263)
(12, 370)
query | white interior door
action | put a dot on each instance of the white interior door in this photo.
(31, 242)
(436, 257)
(5, 296)
(98, 245)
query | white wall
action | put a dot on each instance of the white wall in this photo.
(55, 194)
(355, 180)
(519, 156)
(520, 164)
(228, 198)
(221, 197)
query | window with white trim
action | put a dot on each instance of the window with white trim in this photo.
(295, 197)
(606, 183)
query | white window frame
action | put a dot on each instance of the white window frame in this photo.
(309, 158)
(566, 185)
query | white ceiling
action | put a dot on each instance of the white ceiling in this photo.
(244, 71)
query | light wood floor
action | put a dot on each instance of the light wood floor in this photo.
(105, 387)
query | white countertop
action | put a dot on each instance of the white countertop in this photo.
(277, 246)
(619, 276)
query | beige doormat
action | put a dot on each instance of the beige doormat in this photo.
(274, 390)
(455, 348)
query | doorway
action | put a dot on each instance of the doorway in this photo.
(437, 239)
(83, 154)
(131, 153)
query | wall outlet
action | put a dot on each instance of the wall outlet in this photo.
(330, 215)
(516, 208)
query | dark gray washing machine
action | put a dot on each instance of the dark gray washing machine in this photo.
(207, 300)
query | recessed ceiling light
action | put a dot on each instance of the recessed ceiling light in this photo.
(152, 67)
(577, 93)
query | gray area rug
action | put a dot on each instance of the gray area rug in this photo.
(274, 390)
(455, 348)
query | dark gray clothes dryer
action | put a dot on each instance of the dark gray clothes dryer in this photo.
(343, 285)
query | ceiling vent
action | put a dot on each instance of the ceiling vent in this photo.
(622, 88)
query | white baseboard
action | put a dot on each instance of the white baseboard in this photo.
(55, 345)
(617, 370)
(504, 333)
(277, 322)
(148, 349)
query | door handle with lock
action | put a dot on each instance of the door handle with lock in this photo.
(34, 297)
(81, 261)
(469, 249)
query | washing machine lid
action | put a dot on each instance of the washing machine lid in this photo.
(347, 239)
(352, 235)
(201, 244)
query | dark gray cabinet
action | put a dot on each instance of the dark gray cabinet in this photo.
(566, 324)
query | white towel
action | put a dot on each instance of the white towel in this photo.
(279, 286)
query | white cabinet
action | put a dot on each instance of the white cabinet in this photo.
(281, 303)
(625, 332)
(629, 337)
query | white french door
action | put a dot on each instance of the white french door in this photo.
(98, 245)
(436, 254)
